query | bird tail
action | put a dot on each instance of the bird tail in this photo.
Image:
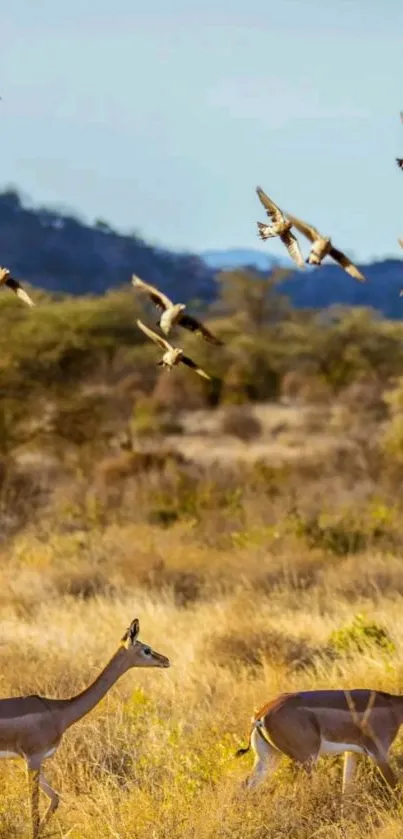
(264, 230)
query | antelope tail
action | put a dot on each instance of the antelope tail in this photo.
(256, 726)
(242, 752)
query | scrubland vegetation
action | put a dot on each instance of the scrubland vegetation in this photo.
(253, 524)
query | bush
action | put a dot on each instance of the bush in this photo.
(304, 387)
(176, 392)
(360, 635)
(112, 471)
(364, 396)
(232, 649)
(240, 422)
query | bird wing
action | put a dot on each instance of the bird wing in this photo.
(401, 116)
(19, 291)
(271, 208)
(293, 248)
(346, 263)
(158, 339)
(189, 363)
(399, 161)
(400, 242)
(161, 300)
(306, 229)
(195, 326)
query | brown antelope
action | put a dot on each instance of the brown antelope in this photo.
(32, 727)
(305, 725)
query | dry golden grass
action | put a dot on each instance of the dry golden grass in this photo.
(259, 543)
(155, 758)
(254, 579)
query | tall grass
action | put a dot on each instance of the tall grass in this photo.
(248, 616)
(259, 545)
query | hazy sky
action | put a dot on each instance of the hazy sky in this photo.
(162, 117)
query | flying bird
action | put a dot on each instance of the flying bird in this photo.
(399, 160)
(173, 313)
(401, 245)
(5, 279)
(281, 226)
(322, 246)
(172, 355)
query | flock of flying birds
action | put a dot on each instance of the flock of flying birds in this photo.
(173, 314)
(281, 225)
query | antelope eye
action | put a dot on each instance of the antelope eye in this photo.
(147, 650)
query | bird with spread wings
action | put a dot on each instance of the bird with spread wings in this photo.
(173, 313)
(172, 355)
(322, 246)
(281, 226)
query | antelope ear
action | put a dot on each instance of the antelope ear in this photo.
(134, 630)
(131, 633)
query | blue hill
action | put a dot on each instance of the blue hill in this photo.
(58, 252)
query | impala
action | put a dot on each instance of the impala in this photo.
(305, 725)
(32, 727)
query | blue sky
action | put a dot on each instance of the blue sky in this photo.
(163, 117)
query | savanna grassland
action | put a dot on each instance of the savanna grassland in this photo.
(254, 525)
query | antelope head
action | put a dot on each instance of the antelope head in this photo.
(139, 654)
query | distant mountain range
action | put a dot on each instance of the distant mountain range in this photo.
(241, 257)
(57, 252)
(325, 286)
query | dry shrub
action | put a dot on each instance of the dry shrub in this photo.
(84, 583)
(291, 386)
(82, 418)
(146, 417)
(186, 587)
(234, 388)
(316, 418)
(23, 490)
(251, 648)
(367, 576)
(178, 392)
(134, 384)
(299, 572)
(111, 471)
(239, 421)
(304, 387)
(364, 396)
